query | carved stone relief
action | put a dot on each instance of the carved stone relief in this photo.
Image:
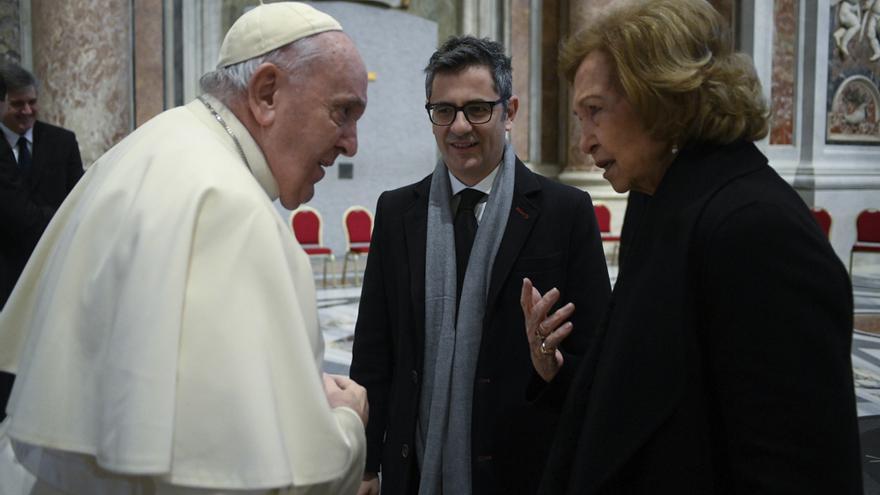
(853, 99)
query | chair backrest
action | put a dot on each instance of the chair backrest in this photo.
(603, 216)
(358, 223)
(307, 225)
(823, 218)
(868, 226)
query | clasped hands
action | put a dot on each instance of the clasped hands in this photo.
(545, 332)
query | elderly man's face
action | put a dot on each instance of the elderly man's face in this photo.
(316, 119)
(21, 111)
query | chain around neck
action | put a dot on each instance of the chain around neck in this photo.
(223, 123)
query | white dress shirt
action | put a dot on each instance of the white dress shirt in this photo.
(12, 138)
(484, 186)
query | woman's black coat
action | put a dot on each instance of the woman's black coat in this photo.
(723, 363)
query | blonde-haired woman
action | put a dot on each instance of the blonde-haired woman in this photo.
(723, 363)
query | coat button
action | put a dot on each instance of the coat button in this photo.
(404, 451)
(415, 376)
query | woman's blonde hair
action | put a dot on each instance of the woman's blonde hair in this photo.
(675, 64)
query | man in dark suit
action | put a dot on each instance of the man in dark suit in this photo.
(47, 156)
(440, 342)
(39, 165)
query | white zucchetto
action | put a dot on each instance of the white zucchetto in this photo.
(269, 26)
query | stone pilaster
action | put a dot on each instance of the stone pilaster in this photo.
(82, 56)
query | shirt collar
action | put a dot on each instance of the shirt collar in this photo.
(256, 161)
(484, 186)
(12, 137)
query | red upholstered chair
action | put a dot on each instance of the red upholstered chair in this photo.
(867, 234)
(307, 226)
(357, 222)
(603, 217)
(823, 218)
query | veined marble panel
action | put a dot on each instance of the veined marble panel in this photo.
(10, 31)
(82, 56)
(149, 83)
(521, 61)
(551, 82)
(782, 97)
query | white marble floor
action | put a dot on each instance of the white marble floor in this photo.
(337, 311)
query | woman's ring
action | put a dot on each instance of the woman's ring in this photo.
(545, 349)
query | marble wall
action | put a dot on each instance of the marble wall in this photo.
(782, 93)
(82, 55)
(149, 80)
(10, 31)
(553, 87)
(520, 36)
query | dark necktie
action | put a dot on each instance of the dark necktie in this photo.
(24, 155)
(465, 225)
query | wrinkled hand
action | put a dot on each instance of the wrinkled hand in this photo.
(342, 391)
(370, 485)
(544, 332)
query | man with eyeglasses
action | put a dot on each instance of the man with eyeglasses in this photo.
(440, 342)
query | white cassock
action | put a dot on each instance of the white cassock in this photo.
(165, 335)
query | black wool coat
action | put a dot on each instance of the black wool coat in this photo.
(552, 237)
(723, 364)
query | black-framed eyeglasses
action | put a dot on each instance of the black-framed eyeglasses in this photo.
(476, 112)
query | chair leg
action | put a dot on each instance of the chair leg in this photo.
(357, 281)
(851, 253)
(344, 268)
(324, 280)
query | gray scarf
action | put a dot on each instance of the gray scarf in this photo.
(452, 347)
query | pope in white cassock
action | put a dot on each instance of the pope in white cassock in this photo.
(164, 333)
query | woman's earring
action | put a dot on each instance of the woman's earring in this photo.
(674, 149)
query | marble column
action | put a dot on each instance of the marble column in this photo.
(10, 30)
(82, 56)
(520, 54)
(579, 169)
(148, 61)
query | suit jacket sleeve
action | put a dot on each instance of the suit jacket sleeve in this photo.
(22, 218)
(372, 352)
(73, 163)
(778, 324)
(587, 286)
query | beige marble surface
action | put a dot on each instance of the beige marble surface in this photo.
(10, 31)
(149, 81)
(782, 97)
(551, 83)
(82, 55)
(519, 52)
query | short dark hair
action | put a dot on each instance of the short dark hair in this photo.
(460, 52)
(2, 89)
(16, 77)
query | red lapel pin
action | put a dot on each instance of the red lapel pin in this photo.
(522, 213)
